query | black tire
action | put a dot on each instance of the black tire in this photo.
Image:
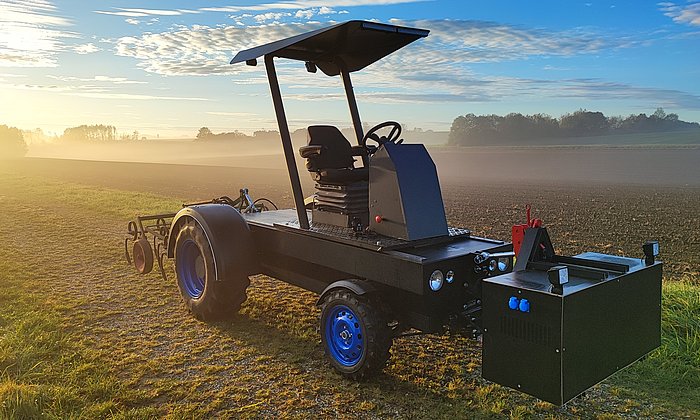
(143, 256)
(205, 297)
(370, 334)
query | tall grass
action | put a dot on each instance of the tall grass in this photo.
(670, 375)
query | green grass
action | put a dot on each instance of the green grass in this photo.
(47, 370)
(68, 351)
(670, 375)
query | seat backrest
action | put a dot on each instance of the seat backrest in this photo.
(336, 153)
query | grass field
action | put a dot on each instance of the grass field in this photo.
(83, 336)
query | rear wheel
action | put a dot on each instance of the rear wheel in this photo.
(207, 298)
(355, 334)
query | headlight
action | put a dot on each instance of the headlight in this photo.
(435, 280)
(503, 264)
(450, 276)
(492, 265)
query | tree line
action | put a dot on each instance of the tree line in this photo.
(12, 142)
(97, 133)
(472, 130)
(205, 134)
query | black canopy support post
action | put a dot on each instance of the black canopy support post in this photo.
(286, 142)
(352, 103)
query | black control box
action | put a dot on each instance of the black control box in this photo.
(555, 339)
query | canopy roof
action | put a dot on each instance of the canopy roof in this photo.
(356, 43)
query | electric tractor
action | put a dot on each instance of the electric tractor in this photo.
(373, 242)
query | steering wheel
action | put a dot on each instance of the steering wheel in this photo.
(392, 137)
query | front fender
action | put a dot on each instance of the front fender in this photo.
(228, 234)
(358, 287)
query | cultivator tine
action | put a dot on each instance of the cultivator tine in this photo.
(161, 253)
(126, 251)
(133, 234)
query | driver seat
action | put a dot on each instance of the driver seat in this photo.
(342, 190)
(330, 157)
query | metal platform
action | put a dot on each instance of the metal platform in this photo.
(287, 220)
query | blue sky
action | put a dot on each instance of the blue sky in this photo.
(162, 67)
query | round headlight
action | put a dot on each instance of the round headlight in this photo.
(450, 276)
(435, 280)
(492, 265)
(503, 264)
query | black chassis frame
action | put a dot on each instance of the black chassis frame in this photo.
(319, 262)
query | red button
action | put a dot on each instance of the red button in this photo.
(378, 219)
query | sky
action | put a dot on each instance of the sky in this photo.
(161, 68)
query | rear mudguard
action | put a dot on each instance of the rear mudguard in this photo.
(228, 235)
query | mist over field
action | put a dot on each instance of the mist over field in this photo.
(650, 163)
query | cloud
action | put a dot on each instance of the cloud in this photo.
(321, 7)
(132, 13)
(232, 114)
(689, 14)
(31, 33)
(264, 17)
(86, 49)
(105, 79)
(441, 66)
(95, 92)
(321, 11)
(387, 97)
(136, 97)
(307, 4)
(202, 50)
(305, 14)
(206, 50)
(595, 89)
(479, 41)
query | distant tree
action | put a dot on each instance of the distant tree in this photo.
(98, 132)
(584, 123)
(12, 143)
(458, 131)
(545, 126)
(35, 136)
(474, 130)
(659, 114)
(266, 134)
(204, 133)
(671, 117)
(615, 122)
(516, 125)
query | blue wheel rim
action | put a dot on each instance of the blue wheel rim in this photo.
(344, 336)
(190, 269)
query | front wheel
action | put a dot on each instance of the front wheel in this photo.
(355, 334)
(207, 298)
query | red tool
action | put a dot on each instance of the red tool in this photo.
(518, 232)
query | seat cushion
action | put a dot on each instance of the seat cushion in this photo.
(336, 151)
